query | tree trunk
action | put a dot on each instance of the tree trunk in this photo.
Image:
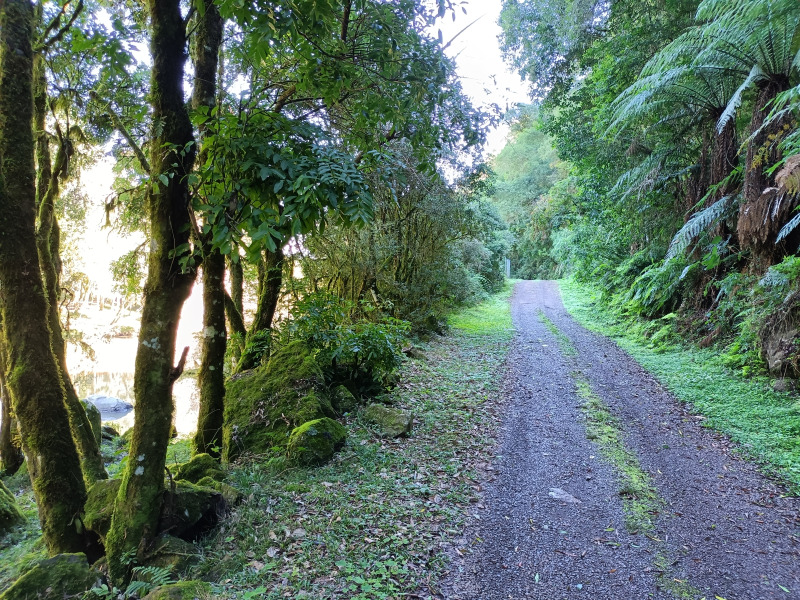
(33, 378)
(270, 279)
(211, 379)
(48, 239)
(11, 457)
(135, 519)
(234, 307)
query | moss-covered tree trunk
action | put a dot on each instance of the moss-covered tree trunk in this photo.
(211, 379)
(11, 457)
(48, 241)
(135, 518)
(33, 378)
(270, 280)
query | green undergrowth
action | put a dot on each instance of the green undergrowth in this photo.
(764, 423)
(640, 499)
(564, 343)
(374, 523)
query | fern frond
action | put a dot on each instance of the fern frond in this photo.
(755, 75)
(699, 222)
(788, 228)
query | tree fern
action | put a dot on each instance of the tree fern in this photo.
(700, 222)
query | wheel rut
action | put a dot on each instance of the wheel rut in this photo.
(719, 528)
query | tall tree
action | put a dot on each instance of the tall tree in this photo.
(33, 376)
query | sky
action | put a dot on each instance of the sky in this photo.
(485, 77)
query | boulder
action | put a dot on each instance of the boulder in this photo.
(343, 400)
(199, 467)
(110, 408)
(175, 554)
(95, 419)
(183, 590)
(315, 442)
(231, 494)
(108, 433)
(391, 422)
(99, 506)
(10, 514)
(784, 384)
(264, 405)
(188, 511)
(63, 576)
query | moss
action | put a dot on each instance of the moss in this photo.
(10, 514)
(231, 494)
(170, 552)
(100, 505)
(63, 576)
(183, 590)
(264, 405)
(189, 510)
(200, 467)
(391, 422)
(343, 400)
(95, 420)
(315, 442)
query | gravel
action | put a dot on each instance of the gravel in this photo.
(551, 523)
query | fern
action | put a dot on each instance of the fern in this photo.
(698, 223)
(146, 579)
(788, 228)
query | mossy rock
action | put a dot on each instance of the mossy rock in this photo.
(391, 422)
(99, 506)
(315, 442)
(231, 494)
(63, 576)
(199, 467)
(10, 514)
(95, 420)
(343, 400)
(175, 554)
(108, 433)
(188, 511)
(264, 405)
(183, 590)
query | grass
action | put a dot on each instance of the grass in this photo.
(765, 424)
(376, 522)
(564, 343)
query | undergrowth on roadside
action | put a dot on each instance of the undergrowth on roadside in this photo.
(375, 522)
(764, 423)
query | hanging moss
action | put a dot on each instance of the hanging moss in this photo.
(10, 515)
(315, 442)
(63, 576)
(199, 467)
(264, 405)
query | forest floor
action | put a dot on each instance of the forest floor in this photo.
(605, 486)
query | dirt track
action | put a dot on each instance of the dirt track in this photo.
(724, 530)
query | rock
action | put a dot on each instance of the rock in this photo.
(343, 400)
(10, 514)
(414, 353)
(110, 408)
(392, 422)
(188, 511)
(99, 506)
(95, 419)
(200, 466)
(183, 590)
(170, 552)
(264, 405)
(63, 576)
(108, 433)
(315, 442)
(784, 384)
(559, 494)
(231, 494)
(780, 338)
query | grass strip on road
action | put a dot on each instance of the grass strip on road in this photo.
(764, 423)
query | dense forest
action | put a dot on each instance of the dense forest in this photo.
(315, 167)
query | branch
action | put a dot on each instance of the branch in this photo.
(177, 370)
(119, 126)
(60, 33)
(346, 19)
(284, 98)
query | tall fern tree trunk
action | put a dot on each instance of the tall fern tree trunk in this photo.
(48, 241)
(33, 377)
(211, 379)
(135, 518)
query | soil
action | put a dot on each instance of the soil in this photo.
(724, 531)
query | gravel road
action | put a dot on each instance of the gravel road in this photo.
(724, 530)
